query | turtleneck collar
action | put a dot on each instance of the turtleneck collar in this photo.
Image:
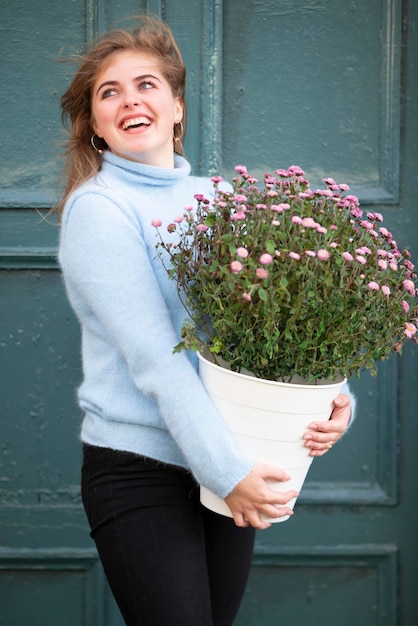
(147, 174)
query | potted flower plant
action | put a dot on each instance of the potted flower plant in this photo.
(280, 280)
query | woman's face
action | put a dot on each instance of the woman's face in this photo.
(134, 109)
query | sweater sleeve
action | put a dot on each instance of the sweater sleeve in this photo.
(105, 262)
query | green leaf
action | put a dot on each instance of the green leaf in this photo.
(263, 294)
(210, 220)
(288, 335)
(270, 246)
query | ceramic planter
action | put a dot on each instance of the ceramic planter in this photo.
(267, 420)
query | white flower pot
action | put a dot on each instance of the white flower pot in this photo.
(267, 420)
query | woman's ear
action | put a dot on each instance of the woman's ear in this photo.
(178, 111)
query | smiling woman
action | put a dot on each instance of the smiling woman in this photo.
(134, 109)
(150, 431)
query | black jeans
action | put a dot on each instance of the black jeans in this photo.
(168, 560)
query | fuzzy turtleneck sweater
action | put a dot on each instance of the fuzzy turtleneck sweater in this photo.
(136, 394)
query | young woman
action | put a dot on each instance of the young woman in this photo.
(150, 432)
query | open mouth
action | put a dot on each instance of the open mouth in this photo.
(136, 122)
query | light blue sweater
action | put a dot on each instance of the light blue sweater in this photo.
(136, 395)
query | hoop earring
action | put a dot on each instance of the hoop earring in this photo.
(94, 146)
(181, 131)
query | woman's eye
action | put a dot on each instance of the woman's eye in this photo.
(108, 92)
(146, 85)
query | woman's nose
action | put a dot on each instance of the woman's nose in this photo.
(131, 98)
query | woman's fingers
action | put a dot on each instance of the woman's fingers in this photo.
(252, 498)
(258, 517)
(321, 436)
(240, 520)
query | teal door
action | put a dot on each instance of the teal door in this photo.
(329, 85)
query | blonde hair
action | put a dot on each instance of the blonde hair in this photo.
(81, 160)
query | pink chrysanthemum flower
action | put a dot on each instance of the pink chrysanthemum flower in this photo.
(236, 267)
(239, 215)
(309, 222)
(242, 252)
(409, 286)
(266, 259)
(410, 330)
(261, 273)
(322, 255)
(356, 212)
(363, 250)
(329, 181)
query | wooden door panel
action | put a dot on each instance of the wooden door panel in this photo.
(316, 84)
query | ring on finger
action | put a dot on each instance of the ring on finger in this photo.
(330, 444)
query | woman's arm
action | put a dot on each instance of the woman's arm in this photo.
(113, 288)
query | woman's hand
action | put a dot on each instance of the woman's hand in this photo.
(252, 497)
(321, 436)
